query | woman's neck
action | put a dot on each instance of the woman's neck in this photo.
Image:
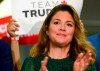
(58, 53)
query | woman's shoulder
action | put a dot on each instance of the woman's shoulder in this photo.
(31, 63)
(32, 60)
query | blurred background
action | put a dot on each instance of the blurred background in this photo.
(90, 16)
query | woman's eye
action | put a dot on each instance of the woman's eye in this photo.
(69, 24)
(56, 22)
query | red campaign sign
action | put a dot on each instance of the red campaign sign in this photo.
(2, 30)
(3, 24)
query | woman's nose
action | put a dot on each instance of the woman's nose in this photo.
(62, 27)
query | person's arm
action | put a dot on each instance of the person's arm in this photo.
(15, 54)
(12, 27)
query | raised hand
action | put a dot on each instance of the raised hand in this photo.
(12, 27)
(82, 62)
(43, 64)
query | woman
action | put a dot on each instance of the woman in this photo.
(62, 44)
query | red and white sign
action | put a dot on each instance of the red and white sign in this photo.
(5, 15)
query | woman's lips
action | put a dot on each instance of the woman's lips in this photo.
(61, 34)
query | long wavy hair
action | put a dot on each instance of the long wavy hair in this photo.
(79, 42)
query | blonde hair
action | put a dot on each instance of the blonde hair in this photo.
(79, 42)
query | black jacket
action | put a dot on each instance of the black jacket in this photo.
(6, 62)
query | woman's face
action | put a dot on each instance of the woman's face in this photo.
(61, 29)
